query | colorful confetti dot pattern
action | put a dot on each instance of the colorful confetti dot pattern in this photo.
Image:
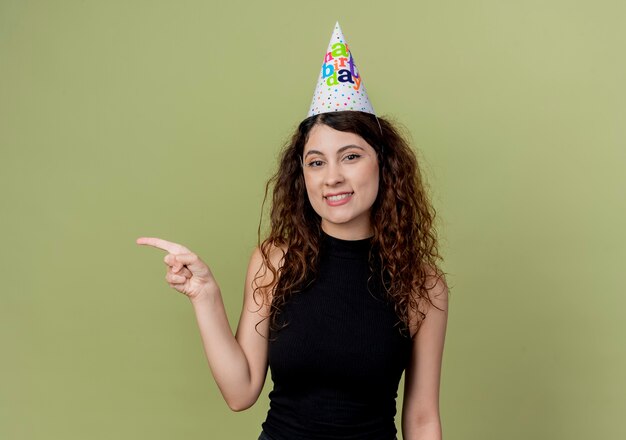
(340, 85)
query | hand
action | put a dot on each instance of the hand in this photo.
(186, 272)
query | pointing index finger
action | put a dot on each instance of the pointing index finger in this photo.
(172, 248)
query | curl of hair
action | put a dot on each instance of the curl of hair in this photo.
(404, 245)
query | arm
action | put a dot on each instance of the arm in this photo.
(420, 411)
(238, 363)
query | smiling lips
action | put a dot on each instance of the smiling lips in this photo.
(338, 199)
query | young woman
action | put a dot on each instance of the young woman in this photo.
(343, 296)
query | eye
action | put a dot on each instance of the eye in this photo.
(353, 156)
(314, 163)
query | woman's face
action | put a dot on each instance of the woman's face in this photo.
(341, 177)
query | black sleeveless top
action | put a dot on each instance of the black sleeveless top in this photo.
(337, 364)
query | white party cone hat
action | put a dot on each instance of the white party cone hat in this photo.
(340, 86)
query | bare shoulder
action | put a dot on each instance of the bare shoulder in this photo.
(275, 253)
(437, 302)
(259, 273)
(259, 285)
(437, 287)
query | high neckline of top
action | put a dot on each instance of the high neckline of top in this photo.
(346, 248)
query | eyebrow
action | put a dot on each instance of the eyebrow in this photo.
(339, 151)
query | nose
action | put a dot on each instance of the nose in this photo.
(334, 174)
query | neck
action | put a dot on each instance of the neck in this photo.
(348, 234)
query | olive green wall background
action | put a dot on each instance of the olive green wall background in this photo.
(122, 119)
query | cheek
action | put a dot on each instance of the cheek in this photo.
(372, 181)
(374, 189)
(310, 186)
(307, 182)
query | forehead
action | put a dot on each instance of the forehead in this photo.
(327, 140)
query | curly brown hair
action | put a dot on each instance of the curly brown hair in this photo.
(402, 218)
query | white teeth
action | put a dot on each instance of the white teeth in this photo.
(339, 197)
